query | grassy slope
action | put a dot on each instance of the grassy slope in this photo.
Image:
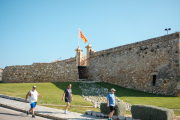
(138, 97)
(51, 92)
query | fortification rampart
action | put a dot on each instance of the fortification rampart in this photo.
(62, 71)
(72, 59)
(151, 65)
(137, 44)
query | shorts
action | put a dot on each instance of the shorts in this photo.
(112, 108)
(67, 100)
(33, 105)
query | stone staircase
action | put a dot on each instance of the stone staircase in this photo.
(97, 94)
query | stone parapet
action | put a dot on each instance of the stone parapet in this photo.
(62, 71)
(137, 44)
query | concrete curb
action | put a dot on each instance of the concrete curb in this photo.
(37, 114)
(65, 105)
(98, 114)
(13, 98)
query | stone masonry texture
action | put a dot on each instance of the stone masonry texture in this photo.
(134, 65)
(62, 71)
(151, 66)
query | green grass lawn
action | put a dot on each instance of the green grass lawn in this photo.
(52, 94)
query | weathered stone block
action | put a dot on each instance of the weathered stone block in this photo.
(94, 113)
(89, 112)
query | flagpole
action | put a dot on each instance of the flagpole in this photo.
(78, 37)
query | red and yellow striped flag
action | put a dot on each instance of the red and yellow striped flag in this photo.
(81, 35)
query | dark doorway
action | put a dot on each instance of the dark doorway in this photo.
(82, 72)
(154, 80)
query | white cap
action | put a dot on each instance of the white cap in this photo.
(34, 86)
(113, 89)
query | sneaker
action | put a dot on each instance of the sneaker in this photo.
(27, 112)
(33, 116)
(65, 112)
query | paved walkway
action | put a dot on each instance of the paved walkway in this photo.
(47, 112)
(8, 114)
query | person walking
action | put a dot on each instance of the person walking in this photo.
(68, 97)
(111, 103)
(33, 94)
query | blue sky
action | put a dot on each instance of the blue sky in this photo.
(45, 30)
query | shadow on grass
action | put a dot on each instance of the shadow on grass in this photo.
(126, 92)
(120, 91)
(130, 95)
(1, 82)
(63, 85)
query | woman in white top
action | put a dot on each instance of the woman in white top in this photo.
(33, 94)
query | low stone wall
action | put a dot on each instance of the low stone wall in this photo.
(151, 65)
(62, 71)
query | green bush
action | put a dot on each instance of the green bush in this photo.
(120, 108)
(149, 112)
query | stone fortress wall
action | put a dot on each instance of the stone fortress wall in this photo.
(62, 71)
(151, 65)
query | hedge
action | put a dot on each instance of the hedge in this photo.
(149, 112)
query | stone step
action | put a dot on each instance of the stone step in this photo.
(82, 80)
(86, 81)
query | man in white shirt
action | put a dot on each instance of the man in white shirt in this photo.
(33, 94)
